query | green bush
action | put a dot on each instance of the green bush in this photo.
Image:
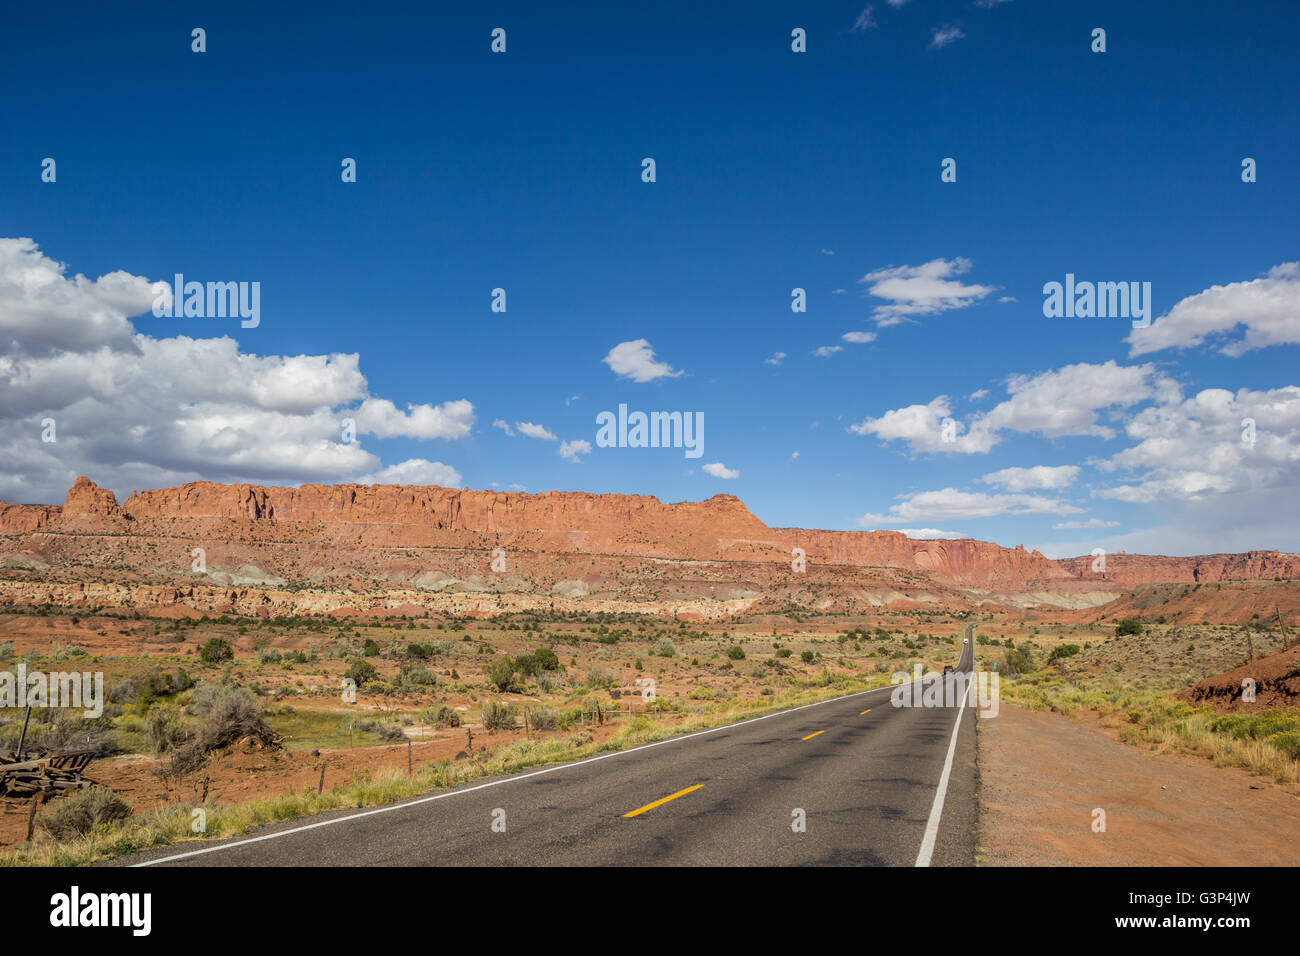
(361, 671)
(737, 653)
(1128, 626)
(1061, 652)
(441, 716)
(501, 673)
(807, 657)
(215, 651)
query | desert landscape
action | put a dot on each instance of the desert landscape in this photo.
(271, 651)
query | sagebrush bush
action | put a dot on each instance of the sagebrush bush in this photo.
(82, 811)
(497, 716)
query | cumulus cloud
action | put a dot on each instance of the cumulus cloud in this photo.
(824, 351)
(922, 290)
(532, 430)
(718, 470)
(414, 471)
(859, 338)
(1215, 443)
(776, 359)
(1066, 401)
(636, 360)
(504, 425)
(949, 504)
(925, 428)
(381, 418)
(1037, 478)
(574, 450)
(135, 411)
(41, 308)
(1267, 309)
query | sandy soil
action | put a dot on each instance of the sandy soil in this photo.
(1042, 775)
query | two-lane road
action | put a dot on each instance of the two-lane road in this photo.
(851, 781)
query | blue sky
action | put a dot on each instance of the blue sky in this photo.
(774, 170)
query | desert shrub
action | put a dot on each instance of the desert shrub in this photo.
(440, 716)
(163, 728)
(497, 716)
(598, 678)
(370, 648)
(215, 651)
(501, 673)
(82, 811)
(547, 659)
(6, 650)
(361, 671)
(700, 693)
(69, 730)
(783, 652)
(736, 653)
(663, 648)
(1128, 626)
(543, 718)
(229, 714)
(1062, 651)
(1019, 661)
(269, 656)
(413, 675)
(807, 657)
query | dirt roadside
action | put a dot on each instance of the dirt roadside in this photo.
(1042, 776)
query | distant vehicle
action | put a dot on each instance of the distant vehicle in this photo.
(965, 640)
(947, 668)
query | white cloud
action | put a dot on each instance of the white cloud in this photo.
(718, 470)
(43, 309)
(976, 395)
(823, 351)
(949, 504)
(414, 471)
(922, 290)
(828, 252)
(531, 430)
(1267, 308)
(636, 360)
(1197, 448)
(944, 35)
(922, 427)
(574, 450)
(381, 418)
(140, 412)
(865, 21)
(1066, 401)
(859, 338)
(776, 359)
(504, 426)
(794, 455)
(933, 534)
(1037, 478)
(1090, 523)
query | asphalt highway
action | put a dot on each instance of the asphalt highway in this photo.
(854, 781)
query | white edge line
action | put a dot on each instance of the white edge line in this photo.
(513, 779)
(936, 810)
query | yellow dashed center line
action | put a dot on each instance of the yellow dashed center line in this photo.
(867, 711)
(811, 736)
(659, 803)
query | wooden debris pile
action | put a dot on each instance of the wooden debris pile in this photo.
(46, 774)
